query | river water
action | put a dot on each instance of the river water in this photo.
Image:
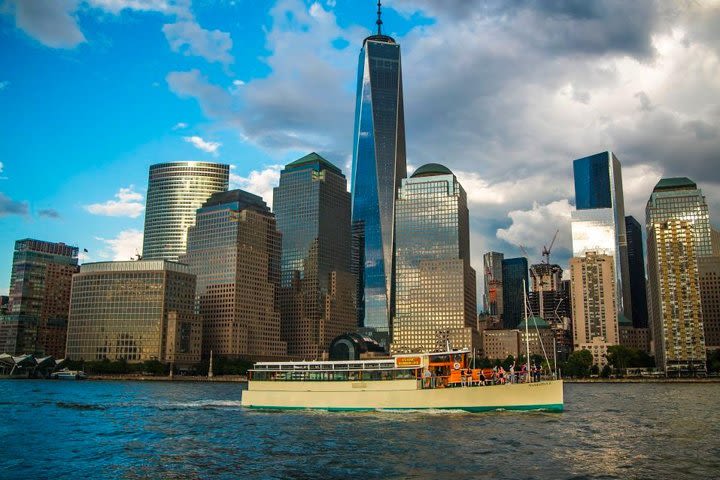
(103, 429)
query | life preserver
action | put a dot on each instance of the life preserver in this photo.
(456, 366)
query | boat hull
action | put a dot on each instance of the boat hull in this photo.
(402, 395)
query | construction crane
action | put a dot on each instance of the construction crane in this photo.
(546, 250)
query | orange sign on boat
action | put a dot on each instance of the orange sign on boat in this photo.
(408, 362)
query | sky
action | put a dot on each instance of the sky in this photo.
(506, 93)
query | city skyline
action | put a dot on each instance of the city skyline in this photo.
(97, 186)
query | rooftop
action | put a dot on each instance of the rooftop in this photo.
(533, 322)
(313, 159)
(431, 169)
(675, 183)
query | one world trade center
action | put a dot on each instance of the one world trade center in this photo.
(378, 167)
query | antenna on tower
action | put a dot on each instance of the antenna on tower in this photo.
(379, 20)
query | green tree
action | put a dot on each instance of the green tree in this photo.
(606, 370)
(578, 364)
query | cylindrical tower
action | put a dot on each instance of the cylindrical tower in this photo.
(175, 191)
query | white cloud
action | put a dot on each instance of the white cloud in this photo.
(125, 246)
(128, 204)
(4, 84)
(536, 227)
(163, 6)
(259, 182)
(190, 38)
(205, 146)
(180, 126)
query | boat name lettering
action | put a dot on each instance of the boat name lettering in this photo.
(408, 361)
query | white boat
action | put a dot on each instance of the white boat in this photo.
(441, 380)
(66, 374)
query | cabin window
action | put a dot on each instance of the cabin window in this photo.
(404, 374)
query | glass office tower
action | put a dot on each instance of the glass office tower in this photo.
(636, 263)
(492, 275)
(317, 300)
(436, 296)
(598, 223)
(378, 168)
(175, 191)
(514, 272)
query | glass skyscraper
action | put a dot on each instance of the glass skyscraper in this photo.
(680, 254)
(636, 263)
(378, 168)
(514, 272)
(492, 274)
(39, 298)
(317, 299)
(598, 223)
(175, 191)
(436, 296)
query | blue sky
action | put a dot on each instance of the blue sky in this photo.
(506, 94)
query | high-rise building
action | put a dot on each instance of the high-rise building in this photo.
(636, 265)
(175, 191)
(709, 268)
(234, 250)
(598, 223)
(377, 170)
(594, 313)
(675, 304)
(39, 297)
(715, 241)
(436, 292)
(136, 311)
(679, 200)
(317, 301)
(492, 276)
(514, 276)
(547, 297)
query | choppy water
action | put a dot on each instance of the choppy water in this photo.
(55, 429)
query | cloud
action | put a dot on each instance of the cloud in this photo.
(536, 227)
(125, 246)
(163, 6)
(189, 38)
(128, 204)
(8, 207)
(4, 85)
(180, 126)
(51, 22)
(205, 146)
(49, 213)
(259, 182)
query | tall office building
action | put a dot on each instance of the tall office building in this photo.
(594, 313)
(679, 200)
(312, 210)
(175, 191)
(598, 223)
(492, 276)
(636, 264)
(234, 250)
(514, 273)
(39, 298)
(378, 168)
(436, 295)
(675, 305)
(135, 311)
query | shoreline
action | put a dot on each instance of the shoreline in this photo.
(642, 380)
(176, 378)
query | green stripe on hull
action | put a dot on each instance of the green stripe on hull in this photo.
(556, 407)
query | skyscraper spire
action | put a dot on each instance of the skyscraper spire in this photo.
(379, 20)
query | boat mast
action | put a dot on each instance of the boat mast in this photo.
(527, 335)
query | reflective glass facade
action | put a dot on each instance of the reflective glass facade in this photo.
(234, 249)
(312, 209)
(40, 294)
(119, 310)
(514, 272)
(175, 191)
(636, 263)
(492, 275)
(598, 188)
(378, 168)
(436, 296)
